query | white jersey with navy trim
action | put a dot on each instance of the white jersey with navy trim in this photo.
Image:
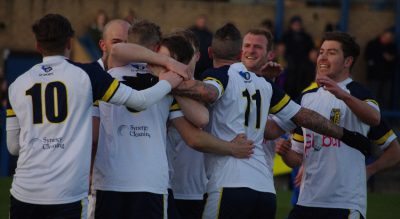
(334, 173)
(131, 154)
(243, 105)
(187, 173)
(51, 105)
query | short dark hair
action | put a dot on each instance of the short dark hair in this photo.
(227, 42)
(268, 35)
(179, 48)
(145, 33)
(189, 36)
(52, 33)
(348, 43)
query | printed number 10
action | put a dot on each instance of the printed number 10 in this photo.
(55, 98)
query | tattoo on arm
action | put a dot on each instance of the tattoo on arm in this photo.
(197, 90)
(314, 121)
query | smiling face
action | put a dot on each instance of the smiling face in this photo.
(254, 52)
(331, 61)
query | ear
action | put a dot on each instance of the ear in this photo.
(102, 45)
(348, 61)
(197, 56)
(210, 53)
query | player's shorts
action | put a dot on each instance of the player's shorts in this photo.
(303, 212)
(172, 209)
(74, 210)
(146, 205)
(240, 203)
(192, 209)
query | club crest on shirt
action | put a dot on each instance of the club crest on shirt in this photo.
(335, 116)
(139, 68)
(245, 75)
(47, 71)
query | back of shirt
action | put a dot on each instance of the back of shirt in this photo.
(242, 107)
(51, 105)
(131, 155)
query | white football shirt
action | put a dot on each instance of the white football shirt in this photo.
(334, 173)
(51, 105)
(131, 154)
(245, 101)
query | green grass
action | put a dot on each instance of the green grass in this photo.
(380, 206)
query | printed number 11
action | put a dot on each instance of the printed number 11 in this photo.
(257, 98)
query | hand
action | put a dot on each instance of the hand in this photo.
(282, 146)
(173, 79)
(370, 172)
(331, 86)
(180, 69)
(357, 141)
(243, 148)
(156, 70)
(271, 70)
(299, 176)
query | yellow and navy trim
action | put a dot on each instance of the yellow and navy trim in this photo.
(218, 82)
(312, 86)
(280, 105)
(111, 91)
(10, 113)
(384, 138)
(298, 137)
(372, 101)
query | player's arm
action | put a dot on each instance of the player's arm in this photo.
(272, 130)
(194, 111)
(13, 130)
(362, 109)
(210, 89)
(287, 110)
(198, 90)
(95, 136)
(128, 52)
(13, 141)
(290, 157)
(202, 141)
(384, 137)
(389, 158)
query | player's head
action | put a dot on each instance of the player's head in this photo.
(178, 47)
(115, 31)
(337, 55)
(145, 33)
(226, 43)
(53, 34)
(192, 39)
(256, 48)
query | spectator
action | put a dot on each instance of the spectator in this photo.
(298, 46)
(381, 57)
(93, 35)
(205, 37)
